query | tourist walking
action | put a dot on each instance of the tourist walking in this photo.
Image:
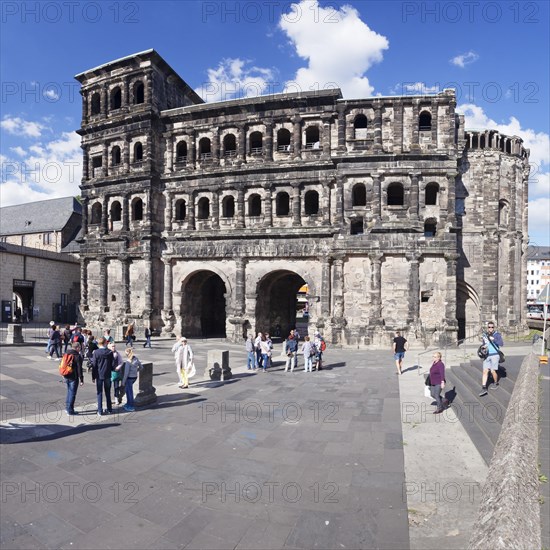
(437, 381)
(107, 335)
(116, 376)
(55, 340)
(184, 362)
(308, 351)
(250, 353)
(102, 366)
(130, 368)
(73, 379)
(147, 335)
(400, 346)
(67, 333)
(291, 351)
(492, 341)
(129, 335)
(265, 352)
(320, 346)
(257, 343)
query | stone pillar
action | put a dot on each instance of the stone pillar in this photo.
(241, 142)
(338, 287)
(84, 283)
(240, 286)
(326, 136)
(105, 215)
(103, 262)
(450, 296)
(296, 205)
(297, 136)
(414, 202)
(215, 146)
(377, 146)
(414, 287)
(168, 214)
(268, 205)
(85, 205)
(169, 154)
(191, 154)
(15, 334)
(85, 163)
(148, 287)
(85, 106)
(191, 210)
(105, 160)
(377, 198)
(339, 204)
(125, 213)
(341, 128)
(268, 149)
(215, 224)
(146, 391)
(127, 94)
(325, 290)
(168, 282)
(104, 101)
(126, 154)
(398, 127)
(240, 207)
(451, 191)
(326, 209)
(126, 283)
(415, 139)
(375, 288)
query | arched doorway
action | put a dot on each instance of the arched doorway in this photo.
(277, 302)
(203, 306)
(467, 310)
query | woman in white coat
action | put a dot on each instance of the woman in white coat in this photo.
(184, 360)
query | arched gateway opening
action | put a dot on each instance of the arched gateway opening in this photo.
(203, 306)
(277, 302)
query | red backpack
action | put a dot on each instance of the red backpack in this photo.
(66, 365)
(323, 345)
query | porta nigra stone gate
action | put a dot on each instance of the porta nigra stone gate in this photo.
(206, 218)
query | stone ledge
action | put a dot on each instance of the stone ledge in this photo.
(509, 514)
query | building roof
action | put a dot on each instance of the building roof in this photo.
(537, 253)
(38, 253)
(38, 217)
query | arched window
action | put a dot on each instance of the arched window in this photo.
(254, 205)
(311, 203)
(116, 98)
(395, 194)
(312, 137)
(180, 210)
(359, 195)
(181, 151)
(360, 127)
(503, 211)
(203, 208)
(425, 121)
(356, 226)
(139, 93)
(228, 207)
(115, 155)
(256, 142)
(137, 209)
(282, 204)
(283, 140)
(96, 104)
(229, 145)
(432, 191)
(116, 211)
(430, 227)
(205, 149)
(138, 152)
(96, 213)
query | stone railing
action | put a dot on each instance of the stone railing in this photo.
(509, 513)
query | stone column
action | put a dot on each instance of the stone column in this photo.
(105, 215)
(191, 210)
(268, 205)
(377, 198)
(148, 287)
(168, 282)
(268, 149)
(415, 139)
(215, 224)
(325, 290)
(377, 146)
(451, 192)
(103, 262)
(326, 209)
(84, 283)
(414, 287)
(215, 146)
(339, 204)
(240, 286)
(240, 207)
(341, 128)
(450, 296)
(126, 283)
(241, 143)
(105, 160)
(191, 154)
(127, 94)
(169, 154)
(126, 158)
(326, 136)
(85, 163)
(85, 106)
(296, 205)
(414, 202)
(398, 127)
(125, 213)
(375, 288)
(297, 136)
(85, 205)
(338, 287)
(104, 101)
(168, 214)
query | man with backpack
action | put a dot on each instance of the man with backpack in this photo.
(492, 342)
(71, 370)
(103, 363)
(320, 347)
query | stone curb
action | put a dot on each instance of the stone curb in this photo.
(509, 514)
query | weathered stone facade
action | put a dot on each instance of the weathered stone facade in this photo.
(207, 218)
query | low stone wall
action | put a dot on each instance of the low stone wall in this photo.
(509, 513)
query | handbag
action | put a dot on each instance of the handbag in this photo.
(427, 391)
(428, 382)
(191, 371)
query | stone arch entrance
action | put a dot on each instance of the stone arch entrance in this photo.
(276, 301)
(203, 305)
(467, 310)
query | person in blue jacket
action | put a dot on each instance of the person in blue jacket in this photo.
(492, 340)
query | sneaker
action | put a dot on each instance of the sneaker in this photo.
(483, 392)
(129, 409)
(494, 386)
(439, 411)
(99, 413)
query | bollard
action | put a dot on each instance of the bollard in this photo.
(146, 391)
(217, 365)
(15, 334)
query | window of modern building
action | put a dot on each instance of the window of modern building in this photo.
(431, 194)
(359, 195)
(180, 210)
(395, 194)
(311, 203)
(282, 204)
(228, 207)
(203, 208)
(47, 238)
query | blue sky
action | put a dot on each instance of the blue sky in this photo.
(494, 53)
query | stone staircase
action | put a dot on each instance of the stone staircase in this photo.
(482, 417)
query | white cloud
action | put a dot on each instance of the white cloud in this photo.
(413, 88)
(337, 45)
(235, 79)
(20, 127)
(53, 169)
(19, 151)
(464, 59)
(51, 94)
(539, 221)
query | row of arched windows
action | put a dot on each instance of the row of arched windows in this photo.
(115, 211)
(115, 98)
(116, 154)
(395, 194)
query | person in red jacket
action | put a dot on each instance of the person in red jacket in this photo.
(437, 382)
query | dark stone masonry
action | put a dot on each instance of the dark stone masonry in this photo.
(206, 218)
